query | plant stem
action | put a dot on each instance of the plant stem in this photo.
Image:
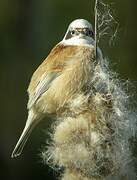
(96, 27)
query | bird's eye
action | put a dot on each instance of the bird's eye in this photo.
(89, 33)
(72, 32)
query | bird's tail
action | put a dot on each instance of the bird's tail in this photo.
(30, 124)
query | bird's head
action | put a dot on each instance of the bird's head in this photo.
(80, 31)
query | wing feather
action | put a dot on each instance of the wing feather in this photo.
(48, 71)
(44, 84)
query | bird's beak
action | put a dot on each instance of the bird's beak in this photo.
(82, 32)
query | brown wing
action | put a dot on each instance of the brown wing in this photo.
(50, 69)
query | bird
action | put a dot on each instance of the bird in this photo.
(60, 77)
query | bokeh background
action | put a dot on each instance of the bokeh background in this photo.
(28, 31)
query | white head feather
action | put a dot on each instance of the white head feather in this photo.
(79, 38)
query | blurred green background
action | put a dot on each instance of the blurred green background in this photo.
(28, 31)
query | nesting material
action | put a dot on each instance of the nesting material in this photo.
(92, 142)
